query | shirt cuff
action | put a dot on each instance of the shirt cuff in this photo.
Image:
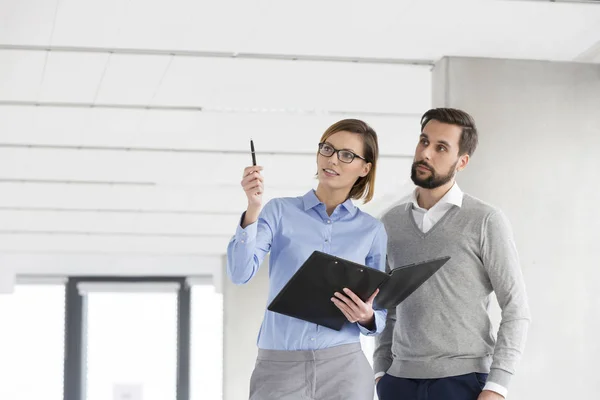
(379, 375)
(243, 235)
(365, 331)
(494, 387)
(379, 316)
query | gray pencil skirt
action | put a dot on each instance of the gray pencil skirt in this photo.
(336, 373)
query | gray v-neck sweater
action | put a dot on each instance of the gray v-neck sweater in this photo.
(444, 329)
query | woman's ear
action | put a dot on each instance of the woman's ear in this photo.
(366, 169)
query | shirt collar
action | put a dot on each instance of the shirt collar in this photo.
(454, 196)
(310, 200)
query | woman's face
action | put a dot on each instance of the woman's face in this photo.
(336, 174)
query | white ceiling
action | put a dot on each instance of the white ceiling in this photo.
(405, 29)
(124, 125)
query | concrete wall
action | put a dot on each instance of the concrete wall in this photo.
(244, 307)
(538, 161)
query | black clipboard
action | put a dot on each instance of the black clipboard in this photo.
(307, 295)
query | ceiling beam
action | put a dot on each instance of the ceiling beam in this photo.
(107, 233)
(118, 211)
(559, 1)
(50, 263)
(76, 182)
(218, 54)
(227, 110)
(170, 150)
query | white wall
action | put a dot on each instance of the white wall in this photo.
(244, 306)
(538, 160)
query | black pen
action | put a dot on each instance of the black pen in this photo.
(252, 150)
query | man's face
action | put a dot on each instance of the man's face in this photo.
(436, 157)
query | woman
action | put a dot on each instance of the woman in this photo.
(299, 359)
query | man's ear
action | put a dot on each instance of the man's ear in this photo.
(463, 161)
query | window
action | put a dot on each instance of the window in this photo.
(32, 342)
(132, 341)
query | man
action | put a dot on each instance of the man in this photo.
(438, 344)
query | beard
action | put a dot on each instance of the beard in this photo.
(434, 180)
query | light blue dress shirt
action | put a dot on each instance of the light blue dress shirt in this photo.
(291, 229)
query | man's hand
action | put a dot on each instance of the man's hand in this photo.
(377, 380)
(489, 395)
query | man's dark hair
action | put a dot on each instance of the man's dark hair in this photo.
(468, 138)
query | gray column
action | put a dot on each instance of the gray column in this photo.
(244, 307)
(538, 160)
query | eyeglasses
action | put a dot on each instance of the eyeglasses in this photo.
(345, 156)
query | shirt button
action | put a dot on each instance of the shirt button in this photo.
(312, 338)
(242, 241)
(244, 233)
(328, 221)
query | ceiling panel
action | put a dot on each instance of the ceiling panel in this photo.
(207, 196)
(33, 243)
(172, 178)
(429, 30)
(271, 132)
(388, 29)
(72, 77)
(149, 167)
(294, 85)
(132, 79)
(27, 21)
(46, 215)
(145, 198)
(21, 74)
(155, 129)
(146, 168)
(90, 23)
(16, 123)
(339, 28)
(190, 24)
(538, 30)
(393, 29)
(118, 222)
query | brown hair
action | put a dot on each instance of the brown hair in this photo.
(364, 187)
(468, 138)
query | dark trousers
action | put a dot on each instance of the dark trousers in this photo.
(462, 387)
